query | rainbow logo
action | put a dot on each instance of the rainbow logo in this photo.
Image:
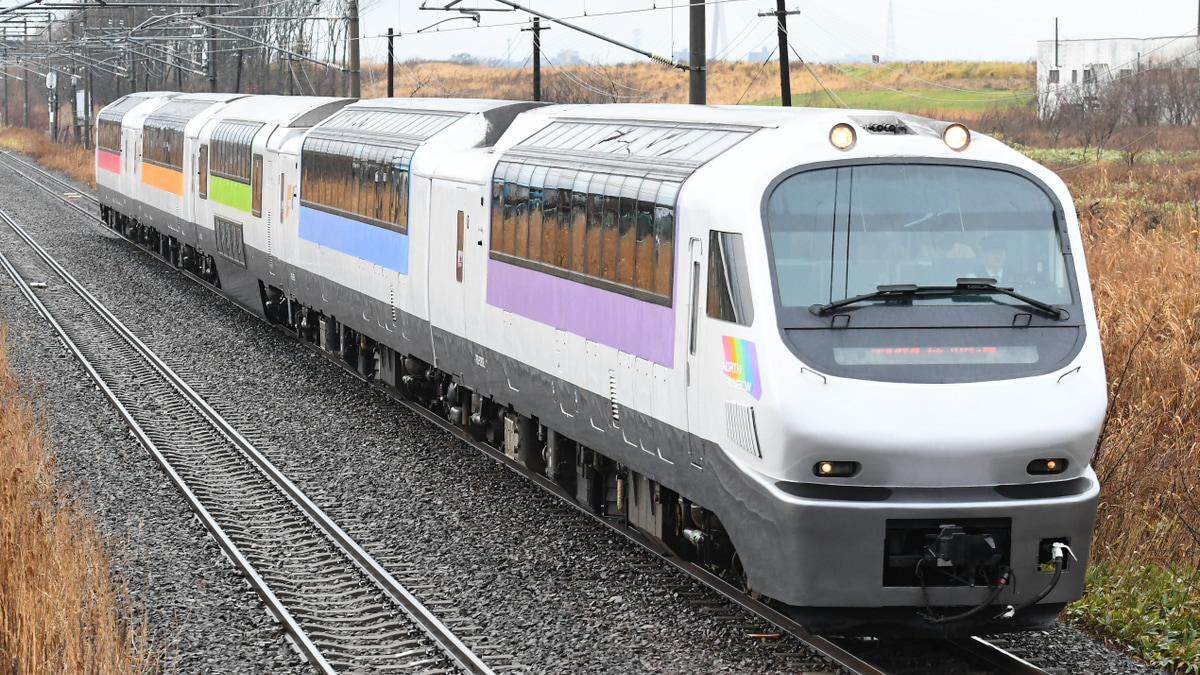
(741, 365)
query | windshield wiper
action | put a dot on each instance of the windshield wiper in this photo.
(989, 286)
(963, 286)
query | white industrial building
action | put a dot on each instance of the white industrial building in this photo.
(1072, 69)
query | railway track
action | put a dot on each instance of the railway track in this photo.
(342, 611)
(978, 651)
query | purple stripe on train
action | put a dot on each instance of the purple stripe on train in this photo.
(634, 326)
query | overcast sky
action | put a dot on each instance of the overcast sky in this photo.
(826, 30)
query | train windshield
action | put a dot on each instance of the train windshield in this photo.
(844, 231)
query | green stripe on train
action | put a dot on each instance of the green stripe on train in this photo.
(228, 192)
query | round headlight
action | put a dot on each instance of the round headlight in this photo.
(842, 136)
(956, 137)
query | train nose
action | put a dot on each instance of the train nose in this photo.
(985, 434)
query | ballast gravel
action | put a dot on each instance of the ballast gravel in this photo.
(544, 583)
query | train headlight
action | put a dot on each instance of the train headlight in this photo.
(1041, 467)
(956, 137)
(842, 136)
(833, 469)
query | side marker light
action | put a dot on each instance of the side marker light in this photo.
(957, 137)
(833, 469)
(1042, 467)
(842, 136)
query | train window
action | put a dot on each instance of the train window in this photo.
(498, 204)
(108, 135)
(598, 228)
(520, 227)
(595, 225)
(231, 149)
(664, 238)
(202, 172)
(644, 235)
(256, 187)
(579, 209)
(728, 280)
(625, 230)
(537, 185)
(837, 233)
(550, 217)
(365, 181)
(562, 245)
(400, 196)
(610, 223)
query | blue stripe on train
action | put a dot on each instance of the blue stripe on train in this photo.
(374, 244)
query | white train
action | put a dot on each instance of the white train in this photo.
(847, 358)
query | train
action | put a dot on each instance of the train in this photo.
(845, 359)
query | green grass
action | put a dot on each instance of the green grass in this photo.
(1152, 611)
(910, 100)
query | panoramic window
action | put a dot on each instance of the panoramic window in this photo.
(841, 232)
(608, 230)
(357, 180)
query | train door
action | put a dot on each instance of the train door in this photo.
(695, 285)
(200, 194)
(446, 271)
(471, 257)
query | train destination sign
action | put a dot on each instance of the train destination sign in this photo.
(933, 356)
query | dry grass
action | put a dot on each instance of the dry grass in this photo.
(73, 160)
(60, 611)
(1140, 230)
(728, 81)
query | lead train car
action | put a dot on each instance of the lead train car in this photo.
(791, 361)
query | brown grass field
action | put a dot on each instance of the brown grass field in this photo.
(60, 611)
(729, 82)
(1143, 250)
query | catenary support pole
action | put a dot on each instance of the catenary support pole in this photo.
(785, 71)
(212, 52)
(4, 49)
(355, 89)
(697, 59)
(537, 59)
(391, 64)
(537, 56)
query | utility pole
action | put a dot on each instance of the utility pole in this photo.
(132, 58)
(697, 63)
(212, 51)
(537, 56)
(87, 95)
(391, 63)
(4, 52)
(785, 69)
(352, 8)
(237, 86)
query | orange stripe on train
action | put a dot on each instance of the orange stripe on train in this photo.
(163, 178)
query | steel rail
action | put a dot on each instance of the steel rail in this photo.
(421, 616)
(1006, 661)
(274, 605)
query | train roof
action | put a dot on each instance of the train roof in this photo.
(116, 110)
(737, 116)
(412, 121)
(285, 111)
(460, 106)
